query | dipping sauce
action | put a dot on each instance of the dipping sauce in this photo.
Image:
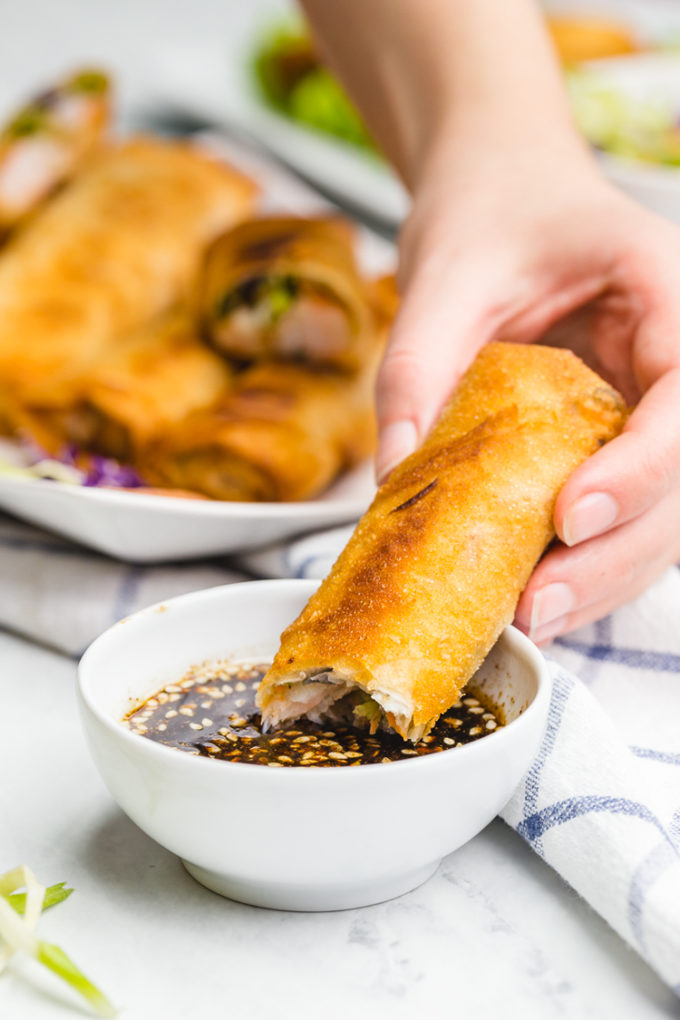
(212, 712)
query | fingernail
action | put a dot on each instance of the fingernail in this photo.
(544, 635)
(551, 603)
(397, 441)
(589, 516)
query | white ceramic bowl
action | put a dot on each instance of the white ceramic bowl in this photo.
(295, 838)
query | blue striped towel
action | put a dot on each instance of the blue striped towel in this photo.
(601, 802)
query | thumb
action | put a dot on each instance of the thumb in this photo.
(436, 336)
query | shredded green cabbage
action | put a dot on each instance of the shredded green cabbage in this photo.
(370, 711)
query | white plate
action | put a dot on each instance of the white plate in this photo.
(143, 528)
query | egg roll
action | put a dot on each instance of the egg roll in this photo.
(138, 389)
(115, 248)
(434, 569)
(283, 433)
(47, 140)
(285, 287)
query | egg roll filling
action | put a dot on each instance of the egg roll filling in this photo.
(43, 142)
(331, 696)
(294, 317)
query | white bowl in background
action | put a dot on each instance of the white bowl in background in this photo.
(653, 78)
(295, 838)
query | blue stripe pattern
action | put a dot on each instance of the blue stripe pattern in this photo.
(633, 658)
(663, 757)
(537, 824)
(563, 685)
(127, 592)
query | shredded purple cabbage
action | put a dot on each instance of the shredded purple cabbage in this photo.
(94, 469)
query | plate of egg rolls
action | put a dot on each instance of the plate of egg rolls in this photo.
(188, 339)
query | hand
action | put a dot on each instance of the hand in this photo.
(528, 243)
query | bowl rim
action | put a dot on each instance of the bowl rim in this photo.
(111, 636)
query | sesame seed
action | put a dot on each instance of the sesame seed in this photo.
(185, 710)
(206, 704)
(335, 755)
(171, 713)
(207, 722)
(240, 702)
(449, 741)
(475, 730)
(162, 727)
(195, 726)
(227, 689)
(491, 724)
(240, 686)
(408, 750)
(274, 765)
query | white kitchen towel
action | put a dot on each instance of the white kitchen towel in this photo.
(601, 802)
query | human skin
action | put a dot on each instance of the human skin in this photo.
(515, 235)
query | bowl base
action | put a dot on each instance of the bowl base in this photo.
(283, 896)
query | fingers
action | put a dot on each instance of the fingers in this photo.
(572, 587)
(629, 475)
(436, 336)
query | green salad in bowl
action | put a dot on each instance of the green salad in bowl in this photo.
(291, 78)
(643, 126)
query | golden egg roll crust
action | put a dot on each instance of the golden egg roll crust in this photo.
(435, 568)
(115, 248)
(283, 433)
(142, 385)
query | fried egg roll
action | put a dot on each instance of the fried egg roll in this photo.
(117, 247)
(46, 142)
(285, 287)
(137, 390)
(435, 568)
(285, 432)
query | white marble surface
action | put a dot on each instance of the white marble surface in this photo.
(494, 933)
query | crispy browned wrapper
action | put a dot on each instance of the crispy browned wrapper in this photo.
(284, 431)
(138, 389)
(317, 253)
(435, 568)
(118, 246)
